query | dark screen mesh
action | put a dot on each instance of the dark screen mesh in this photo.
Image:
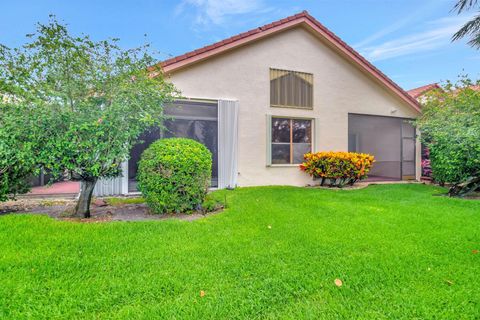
(186, 119)
(391, 140)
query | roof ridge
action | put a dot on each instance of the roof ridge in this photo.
(233, 38)
(358, 55)
(433, 84)
(368, 66)
(416, 92)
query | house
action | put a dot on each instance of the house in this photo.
(261, 99)
(420, 92)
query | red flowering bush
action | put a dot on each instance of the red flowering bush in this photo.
(337, 168)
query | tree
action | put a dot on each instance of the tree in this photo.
(90, 101)
(17, 160)
(450, 128)
(472, 27)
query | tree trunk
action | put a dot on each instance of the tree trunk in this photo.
(82, 209)
(322, 181)
(464, 189)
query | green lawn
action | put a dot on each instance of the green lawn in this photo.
(400, 251)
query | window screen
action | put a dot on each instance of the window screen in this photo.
(291, 89)
(291, 139)
(197, 120)
(391, 140)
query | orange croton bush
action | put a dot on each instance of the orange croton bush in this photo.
(337, 168)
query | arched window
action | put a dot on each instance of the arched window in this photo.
(291, 89)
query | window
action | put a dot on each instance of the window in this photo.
(290, 140)
(291, 89)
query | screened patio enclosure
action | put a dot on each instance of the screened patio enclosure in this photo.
(197, 120)
(391, 140)
(214, 123)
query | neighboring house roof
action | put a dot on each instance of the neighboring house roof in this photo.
(418, 92)
(303, 19)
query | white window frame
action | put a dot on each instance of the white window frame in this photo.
(313, 128)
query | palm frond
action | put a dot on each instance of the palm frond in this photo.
(463, 5)
(475, 41)
(471, 28)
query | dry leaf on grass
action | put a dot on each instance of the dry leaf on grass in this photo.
(202, 293)
(338, 282)
(474, 251)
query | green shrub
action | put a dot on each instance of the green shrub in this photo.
(211, 204)
(174, 175)
(450, 128)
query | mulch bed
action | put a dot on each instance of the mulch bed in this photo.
(358, 185)
(100, 211)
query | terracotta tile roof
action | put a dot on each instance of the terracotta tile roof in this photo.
(175, 63)
(417, 92)
(237, 37)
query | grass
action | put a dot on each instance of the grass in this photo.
(118, 201)
(51, 203)
(401, 252)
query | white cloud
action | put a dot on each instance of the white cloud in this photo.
(436, 34)
(415, 15)
(215, 11)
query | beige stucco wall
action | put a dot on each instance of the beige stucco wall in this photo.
(243, 74)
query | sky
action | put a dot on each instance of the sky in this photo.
(409, 40)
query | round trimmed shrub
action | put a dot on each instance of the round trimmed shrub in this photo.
(174, 175)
